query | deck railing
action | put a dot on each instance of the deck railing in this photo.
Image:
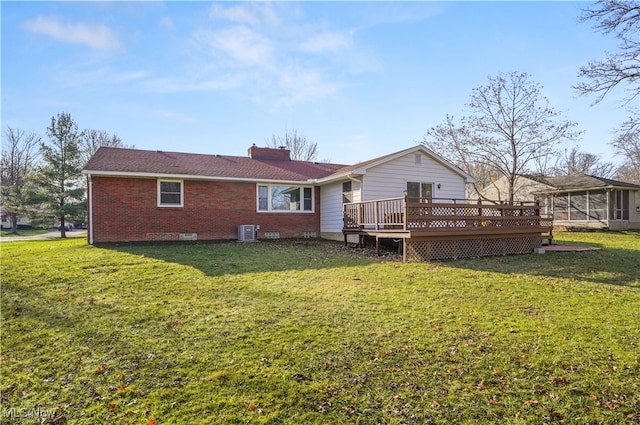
(437, 215)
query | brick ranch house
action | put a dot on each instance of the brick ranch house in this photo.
(141, 195)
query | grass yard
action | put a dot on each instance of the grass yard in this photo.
(309, 332)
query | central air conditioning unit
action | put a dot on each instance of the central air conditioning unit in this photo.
(248, 232)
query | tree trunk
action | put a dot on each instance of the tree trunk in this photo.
(13, 219)
(63, 232)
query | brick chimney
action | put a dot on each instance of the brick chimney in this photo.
(280, 153)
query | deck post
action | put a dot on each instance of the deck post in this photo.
(404, 250)
(405, 216)
(375, 215)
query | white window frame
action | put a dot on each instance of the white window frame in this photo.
(420, 184)
(160, 204)
(269, 200)
(347, 199)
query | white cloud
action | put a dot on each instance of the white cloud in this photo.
(304, 85)
(73, 77)
(166, 22)
(249, 13)
(272, 52)
(327, 42)
(186, 84)
(239, 44)
(95, 36)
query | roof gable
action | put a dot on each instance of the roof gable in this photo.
(362, 167)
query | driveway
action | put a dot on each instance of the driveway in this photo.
(50, 235)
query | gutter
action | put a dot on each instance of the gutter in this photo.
(144, 175)
(587, 189)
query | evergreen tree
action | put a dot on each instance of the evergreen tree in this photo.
(60, 189)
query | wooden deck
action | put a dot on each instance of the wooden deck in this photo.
(449, 228)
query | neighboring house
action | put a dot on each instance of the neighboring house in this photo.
(5, 219)
(579, 201)
(523, 189)
(137, 195)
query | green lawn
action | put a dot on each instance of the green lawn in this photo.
(308, 332)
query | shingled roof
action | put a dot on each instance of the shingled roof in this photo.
(578, 182)
(262, 164)
(145, 163)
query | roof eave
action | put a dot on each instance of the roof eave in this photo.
(583, 189)
(340, 176)
(129, 174)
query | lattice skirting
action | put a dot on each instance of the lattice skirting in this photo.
(445, 249)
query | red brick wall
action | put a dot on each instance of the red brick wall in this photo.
(125, 210)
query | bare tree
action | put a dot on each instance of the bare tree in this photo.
(575, 162)
(301, 149)
(622, 19)
(511, 127)
(91, 140)
(19, 157)
(627, 145)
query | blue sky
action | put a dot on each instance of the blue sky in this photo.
(362, 79)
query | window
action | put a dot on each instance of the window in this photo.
(285, 198)
(263, 198)
(419, 192)
(170, 193)
(347, 193)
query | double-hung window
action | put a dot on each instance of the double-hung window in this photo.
(273, 197)
(170, 193)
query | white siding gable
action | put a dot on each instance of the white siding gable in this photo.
(389, 180)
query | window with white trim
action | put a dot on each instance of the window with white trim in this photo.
(170, 193)
(283, 198)
(347, 192)
(419, 192)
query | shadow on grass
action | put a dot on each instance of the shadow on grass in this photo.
(231, 257)
(610, 266)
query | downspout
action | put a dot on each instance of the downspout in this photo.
(90, 212)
